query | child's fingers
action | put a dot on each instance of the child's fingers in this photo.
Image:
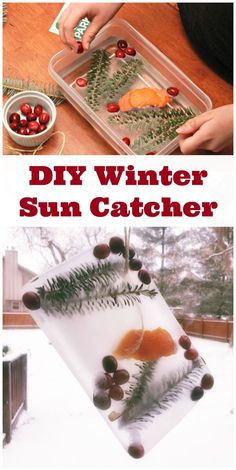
(91, 32)
(61, 25)
(192, 125)
(189, 145)
(67, 25)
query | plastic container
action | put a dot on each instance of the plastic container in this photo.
(158, 72)
(33, 98)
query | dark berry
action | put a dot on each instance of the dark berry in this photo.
(144, 276)
(41, 128)
(31, 300)
(23, 123)
(172, 91)
(207, 381)
(113, 108)
(116, 392)
(197, 393)
(38, 109)
(151, 153)
(122, 44)
(191, 354)
(131, 253)
(22, 131)
(126, 140)
(109, 364)
(121, 376)
(80, 47)
(130, 51)
(14, 126)
(101, 251)
(102, 400)
(120, 54)
(34, 126)
(184, 342)
(26, 109)
(104, 381)
(14, 117)
(44, 118)
(31, 117)
(136, 451)
(116, 245)
(135, 264)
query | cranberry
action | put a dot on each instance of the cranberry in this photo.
(113, 108)
(22, 131)
(101, 251)
(80, 48)
(144, 276)
(191, 354)
(131, 253)
(120, 54)
(44, 118)
(31, 117)
(14, 117)
(109, 364)
(126, 140)
(121, 376)
(38, 109)
(14, 126)
(197, 393)
(116, 392)
(122, 44)
(104, 381)
(102, 400)
(23, 123)
(136, 451)
(27, 130)
(130, 51)
(33, 126)
(26, 109)
(207, 381)
(81, 82)
(116, 245)
(151, 153)
(172, 91)
(135, 264)
(31, 299)
(41, 128)
(185, 341)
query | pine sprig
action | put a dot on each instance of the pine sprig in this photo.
(4, 12)
(161, 397)
(148, 119)
(101, 298)
(121, 80)
(12, 86)
(165, 132)
(96, 78)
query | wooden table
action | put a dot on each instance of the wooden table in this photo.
(28, 47)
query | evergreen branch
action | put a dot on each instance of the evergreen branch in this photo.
(160, 397)
(12, 86)
(4, 12)
(100, 298)
(121, 80)
(165, 132)
(148, 118)
(96, 77)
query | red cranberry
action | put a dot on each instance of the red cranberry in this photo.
(23, 123)
(136, 451)
(126, 140)
(144, 276)
(207, 381)
(116, 245)
(172, 91)
(33, 126)
(31, 117)
(151, 153)
(197, 393)
(191, 354)
(80, 48)
(101, 251)
(31, 299)
(185, 341)
(135, 264)
(122, 44)
(41, 128)
(14, 126)
(38, 109)
(26, 109)
(22, 131)
(130, 51)
(113, 108)
(44, 118)
(27, 130)
(14, 117)
(81, 82)
(120, 54)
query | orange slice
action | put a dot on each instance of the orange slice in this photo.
(143, 97)
(149, 345)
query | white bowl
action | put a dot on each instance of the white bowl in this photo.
(13, 105)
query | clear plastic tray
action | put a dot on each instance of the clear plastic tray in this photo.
(158, 72)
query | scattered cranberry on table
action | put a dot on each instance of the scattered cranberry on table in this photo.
(126, 140)
(122, 44)
(130, 51)
(120, 54)
(172, 91)
(81, 82)
(113, 108)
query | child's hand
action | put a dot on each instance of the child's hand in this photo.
(97, 13)
(212, 131)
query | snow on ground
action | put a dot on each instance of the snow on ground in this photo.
(61, 427)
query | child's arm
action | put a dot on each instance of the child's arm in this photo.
(97, 13)
(212, 131)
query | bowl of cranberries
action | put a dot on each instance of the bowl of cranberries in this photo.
(29, 118)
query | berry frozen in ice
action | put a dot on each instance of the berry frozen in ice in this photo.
(135, 264)
(31, 300)
(116, 392)
(207, 381)
(184, 342)
(191, 354)
(121, 376)
(101, 251)
(109, 364)
(102, 400)
(144, 276)
(197, 393)
(116, 245)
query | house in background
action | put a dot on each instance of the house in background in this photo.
(14, 278)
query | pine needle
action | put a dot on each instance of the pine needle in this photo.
(121, 80)
(4, 12)
(12, 86)
(96, 77)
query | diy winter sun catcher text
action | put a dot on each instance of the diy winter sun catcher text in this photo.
(102, 206)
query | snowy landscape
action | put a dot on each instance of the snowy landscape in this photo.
(62, 428)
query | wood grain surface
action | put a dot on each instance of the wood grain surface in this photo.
(28, 47)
